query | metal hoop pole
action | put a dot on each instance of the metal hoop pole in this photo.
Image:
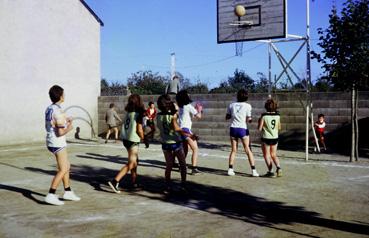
(308, 78)
(270, 69)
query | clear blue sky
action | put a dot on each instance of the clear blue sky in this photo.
(141, 35)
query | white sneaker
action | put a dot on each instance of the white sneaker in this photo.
(231, 172)
(53, 199)
(114, 188)
(255, 173)
(71, 196)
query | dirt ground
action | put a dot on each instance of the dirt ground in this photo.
(324, 197)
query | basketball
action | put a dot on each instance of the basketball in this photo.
(199, 107)
(240, 10)
(61, 119)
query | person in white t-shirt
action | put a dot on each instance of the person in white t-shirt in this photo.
(240, 113)
(57, 125)
(186, 113)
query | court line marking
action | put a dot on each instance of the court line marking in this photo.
(324, 163)
(22, 149)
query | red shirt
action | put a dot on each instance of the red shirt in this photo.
(320, 127)
(149, 115)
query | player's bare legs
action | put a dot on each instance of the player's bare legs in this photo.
(232, 155)
(250, 156)
(63, 169)
(265, 148)
(273, 155)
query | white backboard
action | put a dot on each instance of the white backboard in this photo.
(267, 19)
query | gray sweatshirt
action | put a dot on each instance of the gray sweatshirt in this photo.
(172, 87)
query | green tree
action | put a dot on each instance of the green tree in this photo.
(301, 85)
(147, 82)
(223, 88)
(345, 54)
(112, 89)
(198, 88)
(323, 84)
(241, 80)
(262, 85)
(103, 84)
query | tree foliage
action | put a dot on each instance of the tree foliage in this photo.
(262, 84)
(345, 56)
(236, 82)
(104, 84)
(112, 89)
(147, 82)
(323, 84)
(223, 88)
(345, 44)
(241, 80)
(198, 88)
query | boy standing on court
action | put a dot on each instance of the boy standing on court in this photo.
(111, 117)
(173, 86)
(57, 126)
(319, 127)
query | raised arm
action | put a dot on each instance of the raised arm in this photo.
(198, 108)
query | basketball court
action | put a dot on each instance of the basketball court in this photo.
(325, 197)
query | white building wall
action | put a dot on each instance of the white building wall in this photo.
(42, 43)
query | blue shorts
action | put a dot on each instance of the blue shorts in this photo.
(171, 147)
(238, 132)
(55, 150)
(187, 130)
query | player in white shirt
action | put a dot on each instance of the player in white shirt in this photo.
(57, 125)
(240, 113)
(186, 113)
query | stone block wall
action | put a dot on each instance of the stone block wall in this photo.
(214, 128)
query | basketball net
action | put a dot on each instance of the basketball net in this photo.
(239, 48)
(238, 33)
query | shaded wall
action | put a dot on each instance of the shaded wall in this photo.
(42, 43)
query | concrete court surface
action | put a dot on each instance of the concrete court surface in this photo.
(324, 197)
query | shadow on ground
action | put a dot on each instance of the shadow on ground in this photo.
(25, 192)
(340, 140)
(337, 141)
(153, 163)
(216, 200)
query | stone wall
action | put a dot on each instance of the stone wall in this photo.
(214, 128)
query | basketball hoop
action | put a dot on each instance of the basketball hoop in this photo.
(239, 11)
(239, 34)
(241, 23)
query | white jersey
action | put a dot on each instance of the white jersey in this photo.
(185, 116)
(239, 111)
(52, 112)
